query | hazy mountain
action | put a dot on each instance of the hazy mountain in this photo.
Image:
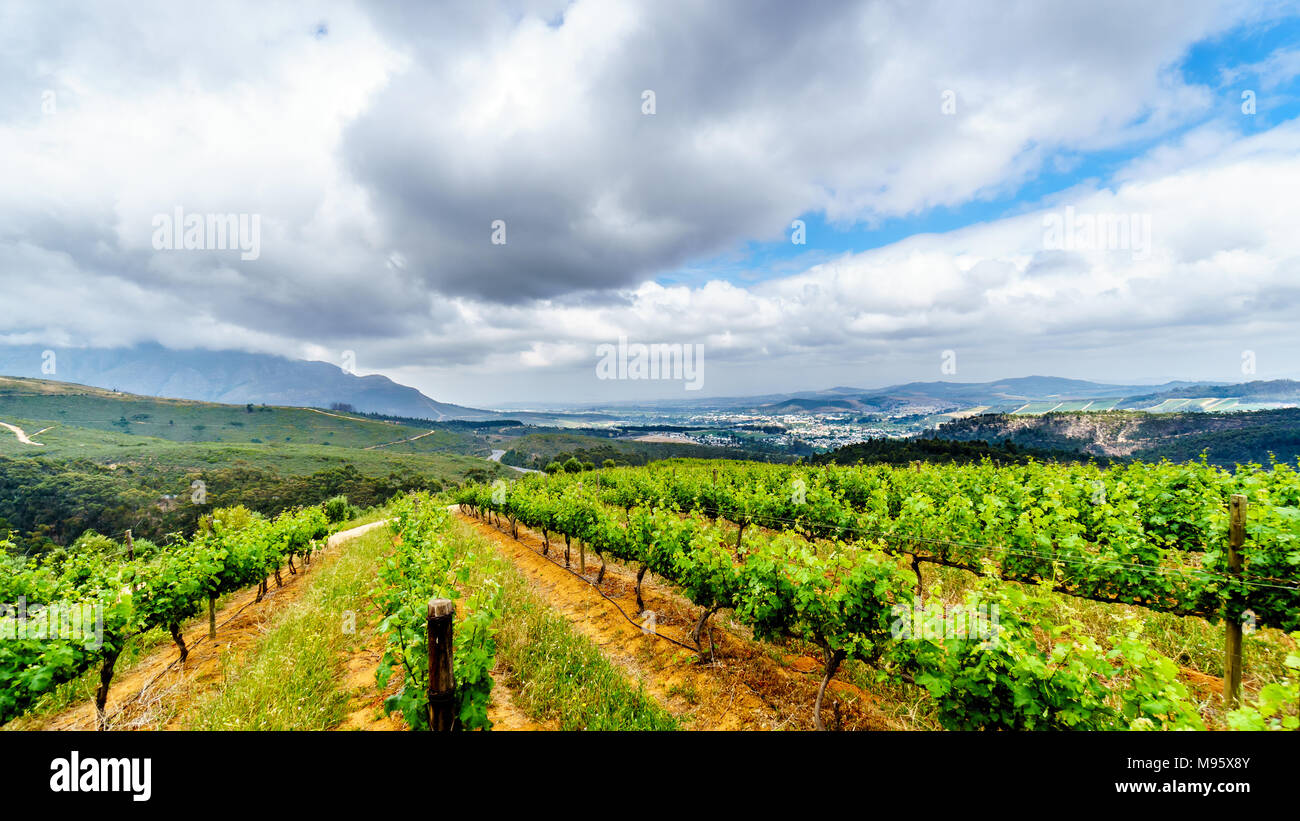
(230, 377)
(1272, 390)
(996, 394)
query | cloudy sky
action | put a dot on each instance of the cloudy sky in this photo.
(828, 193)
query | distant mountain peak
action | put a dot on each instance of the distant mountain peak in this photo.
(229, 377)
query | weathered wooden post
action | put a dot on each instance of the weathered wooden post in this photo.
(582, 551)
(212, 615)
(1232, 629)
(442, 687)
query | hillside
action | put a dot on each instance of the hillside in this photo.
(102, 460)
(77, 417)
(537, 450)
(1228, 438)
(228, 377)
(940, 451)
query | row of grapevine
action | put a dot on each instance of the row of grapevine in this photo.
(427, 563)
(1153, 535)
(67, 613)
(849, 598)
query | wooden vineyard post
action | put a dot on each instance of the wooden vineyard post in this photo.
(442, 688)
(582, 551)
(715, 476)
(212, 616)
(1232, 624)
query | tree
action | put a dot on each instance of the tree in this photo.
(572, 465)
(608, 463)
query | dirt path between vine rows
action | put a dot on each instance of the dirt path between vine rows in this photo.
(743, 685)
(153, 692)
(366, 708)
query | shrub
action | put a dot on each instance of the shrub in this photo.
(337, 509)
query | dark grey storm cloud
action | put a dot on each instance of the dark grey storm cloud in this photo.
(377, 143)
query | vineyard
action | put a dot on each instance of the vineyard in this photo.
(832, 556)
(426, 565)
(945, 581)
(79, 609)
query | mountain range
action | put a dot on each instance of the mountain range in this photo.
(236, 377)
(229, 377)
(1002, 394)
(1027, 394)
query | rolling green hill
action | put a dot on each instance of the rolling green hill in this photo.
(108, 461)
(227, 377)
(74, 413)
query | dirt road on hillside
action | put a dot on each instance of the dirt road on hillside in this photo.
(22, 435)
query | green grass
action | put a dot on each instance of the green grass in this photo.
(561, 677)
(365, 517)
(92, 423)
(290, 459)
(1037, 407)
(80, 431)
(292, 679)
